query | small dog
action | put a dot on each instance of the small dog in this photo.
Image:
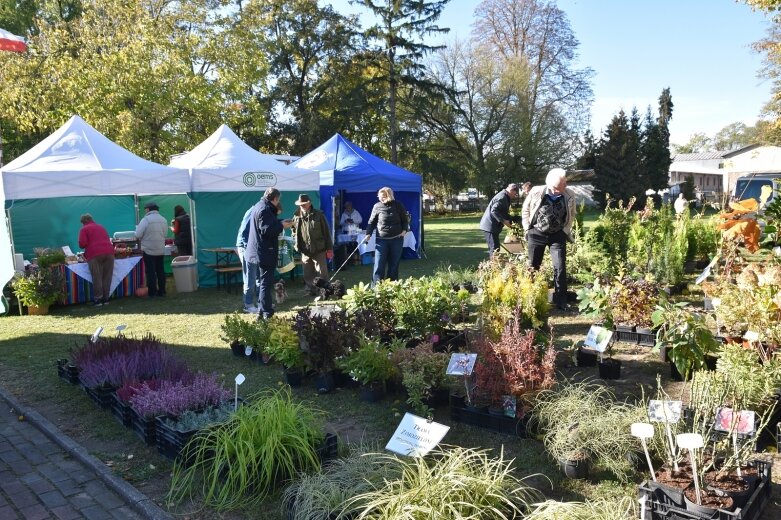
(280, 293)
(330, 290)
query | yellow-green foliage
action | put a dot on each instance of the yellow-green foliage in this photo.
(511, 285)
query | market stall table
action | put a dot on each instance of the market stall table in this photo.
(128, 276)
(226, 265)
(370, 246)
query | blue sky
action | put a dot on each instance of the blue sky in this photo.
(701, 49)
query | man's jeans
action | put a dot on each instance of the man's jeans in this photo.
(249, 271)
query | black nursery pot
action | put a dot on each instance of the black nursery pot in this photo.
(610, 369)
(325, 383)
(586, 359)
(574, 469)
(294, 377)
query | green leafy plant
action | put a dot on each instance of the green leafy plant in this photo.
(423, 371)
(686, 335)
(378, 299)
(283, 344)
(39, 287)
(369, 363)
(633, 301)
(324, 338)
(424, 306)
(234, 328)
(49, 257)
(456, 483)
(267, 442)
(508, 286)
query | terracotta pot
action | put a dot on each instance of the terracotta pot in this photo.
(142, 292)
(37, 310)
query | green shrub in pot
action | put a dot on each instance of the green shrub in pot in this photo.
(369, 363)
(282, 343)
(39, 287)
(686, 335)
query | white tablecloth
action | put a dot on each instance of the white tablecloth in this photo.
(122, 267)
(370, 246)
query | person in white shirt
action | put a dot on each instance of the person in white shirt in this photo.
(680, 204)
(349, 216)
(151, 232)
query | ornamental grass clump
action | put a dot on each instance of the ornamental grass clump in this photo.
(623, 508)
(325, 494)
(262, 446)
(455, 483)
(175, 397)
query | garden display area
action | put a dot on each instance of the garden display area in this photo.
(654, 396)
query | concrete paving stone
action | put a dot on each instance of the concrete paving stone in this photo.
(10, 457)
(5, 446)
(3, 501)
(82, 476)
(36, 512)
(52, 472)
(35, 457)
(65, 513)
(12, 487)
(82, 500)
(24, 499)
(68, 487)
(95, 513)
(22, 468)
(29, 478)
(6, 475)
(8, 512)
(124, 513)
(41, 486)
(52, 499)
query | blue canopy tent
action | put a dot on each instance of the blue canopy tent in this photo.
(348, 172)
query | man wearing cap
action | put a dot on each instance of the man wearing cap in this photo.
(151, 233)
(312, 238)
(497, 215)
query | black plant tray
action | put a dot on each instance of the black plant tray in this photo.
(657, 508)
(329, 449)
(120, 410)
(102, 396)
(626, 337)
(145, 428)
(646, 340)
(67, 371)
(496, 423)
(171, 442)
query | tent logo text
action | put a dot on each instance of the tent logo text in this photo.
(260, 179)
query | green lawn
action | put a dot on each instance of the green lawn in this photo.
(190, 322)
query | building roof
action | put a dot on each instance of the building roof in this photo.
(702, 156)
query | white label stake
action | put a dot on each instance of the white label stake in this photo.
(239, 380)
(645, 431)
(692, 441)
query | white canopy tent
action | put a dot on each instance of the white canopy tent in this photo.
(74, 171)
(227, 178)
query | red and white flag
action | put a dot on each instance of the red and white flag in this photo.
(11, 42)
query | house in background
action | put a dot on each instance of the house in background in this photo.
(754, 159)
(705, 169)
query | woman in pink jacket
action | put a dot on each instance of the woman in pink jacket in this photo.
(99, 252)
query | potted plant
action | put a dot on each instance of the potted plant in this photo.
(371, 366)
(265, 444)
(323, 339)
(173, 434)
(423, 375)
(233, 332)
(685, 336)
(284, 346)
(38, 289)
(632, 302)
(46, 257)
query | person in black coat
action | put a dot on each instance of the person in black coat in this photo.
(263, 246)
(389, 219)
(183, 237)
(497, 215)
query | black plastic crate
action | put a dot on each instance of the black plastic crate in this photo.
(329, 449)
(146, 429)
(489, 421)
(646, 340)
(120, 410)
(101, 395)
(657, 509)
(626, 337)
(67, 372)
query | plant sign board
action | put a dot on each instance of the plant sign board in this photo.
(416, 436)
(725, 418)
(461, 364)
(96, 335)
(751, 335)
(598, 338)
(706, 272)
(664, 411)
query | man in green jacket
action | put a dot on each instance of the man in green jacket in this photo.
(313, 240)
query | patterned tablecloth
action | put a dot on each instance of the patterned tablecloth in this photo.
(128, 276)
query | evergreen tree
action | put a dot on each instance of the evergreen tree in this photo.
(655, 155)
(687, 188)
(401, 23)
(614, 162)
(588, 160)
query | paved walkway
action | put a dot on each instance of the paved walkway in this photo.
(45, 474)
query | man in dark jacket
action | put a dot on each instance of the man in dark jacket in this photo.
(263, 246)
(497, 215)
(313, 241)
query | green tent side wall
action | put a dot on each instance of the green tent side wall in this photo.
(218, 217)
(55, 222)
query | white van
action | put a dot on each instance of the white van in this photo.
(750, 186)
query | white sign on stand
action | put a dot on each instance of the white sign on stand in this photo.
(598, 338)
(416, 436)
(665, 411)
(461, 364)
(96, 335)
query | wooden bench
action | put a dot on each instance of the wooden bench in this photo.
(227, 275)
(215, 266)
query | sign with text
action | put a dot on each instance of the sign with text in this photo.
(461, 364)
(664, 411)
(598, 338)
(726, 421)
(416, 436)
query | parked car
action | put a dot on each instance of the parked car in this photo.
(750, 186)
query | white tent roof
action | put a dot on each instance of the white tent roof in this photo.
(78, 160)
(223, 162)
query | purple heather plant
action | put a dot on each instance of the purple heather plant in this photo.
(104, 347)
(174, 398)
(149, 361)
